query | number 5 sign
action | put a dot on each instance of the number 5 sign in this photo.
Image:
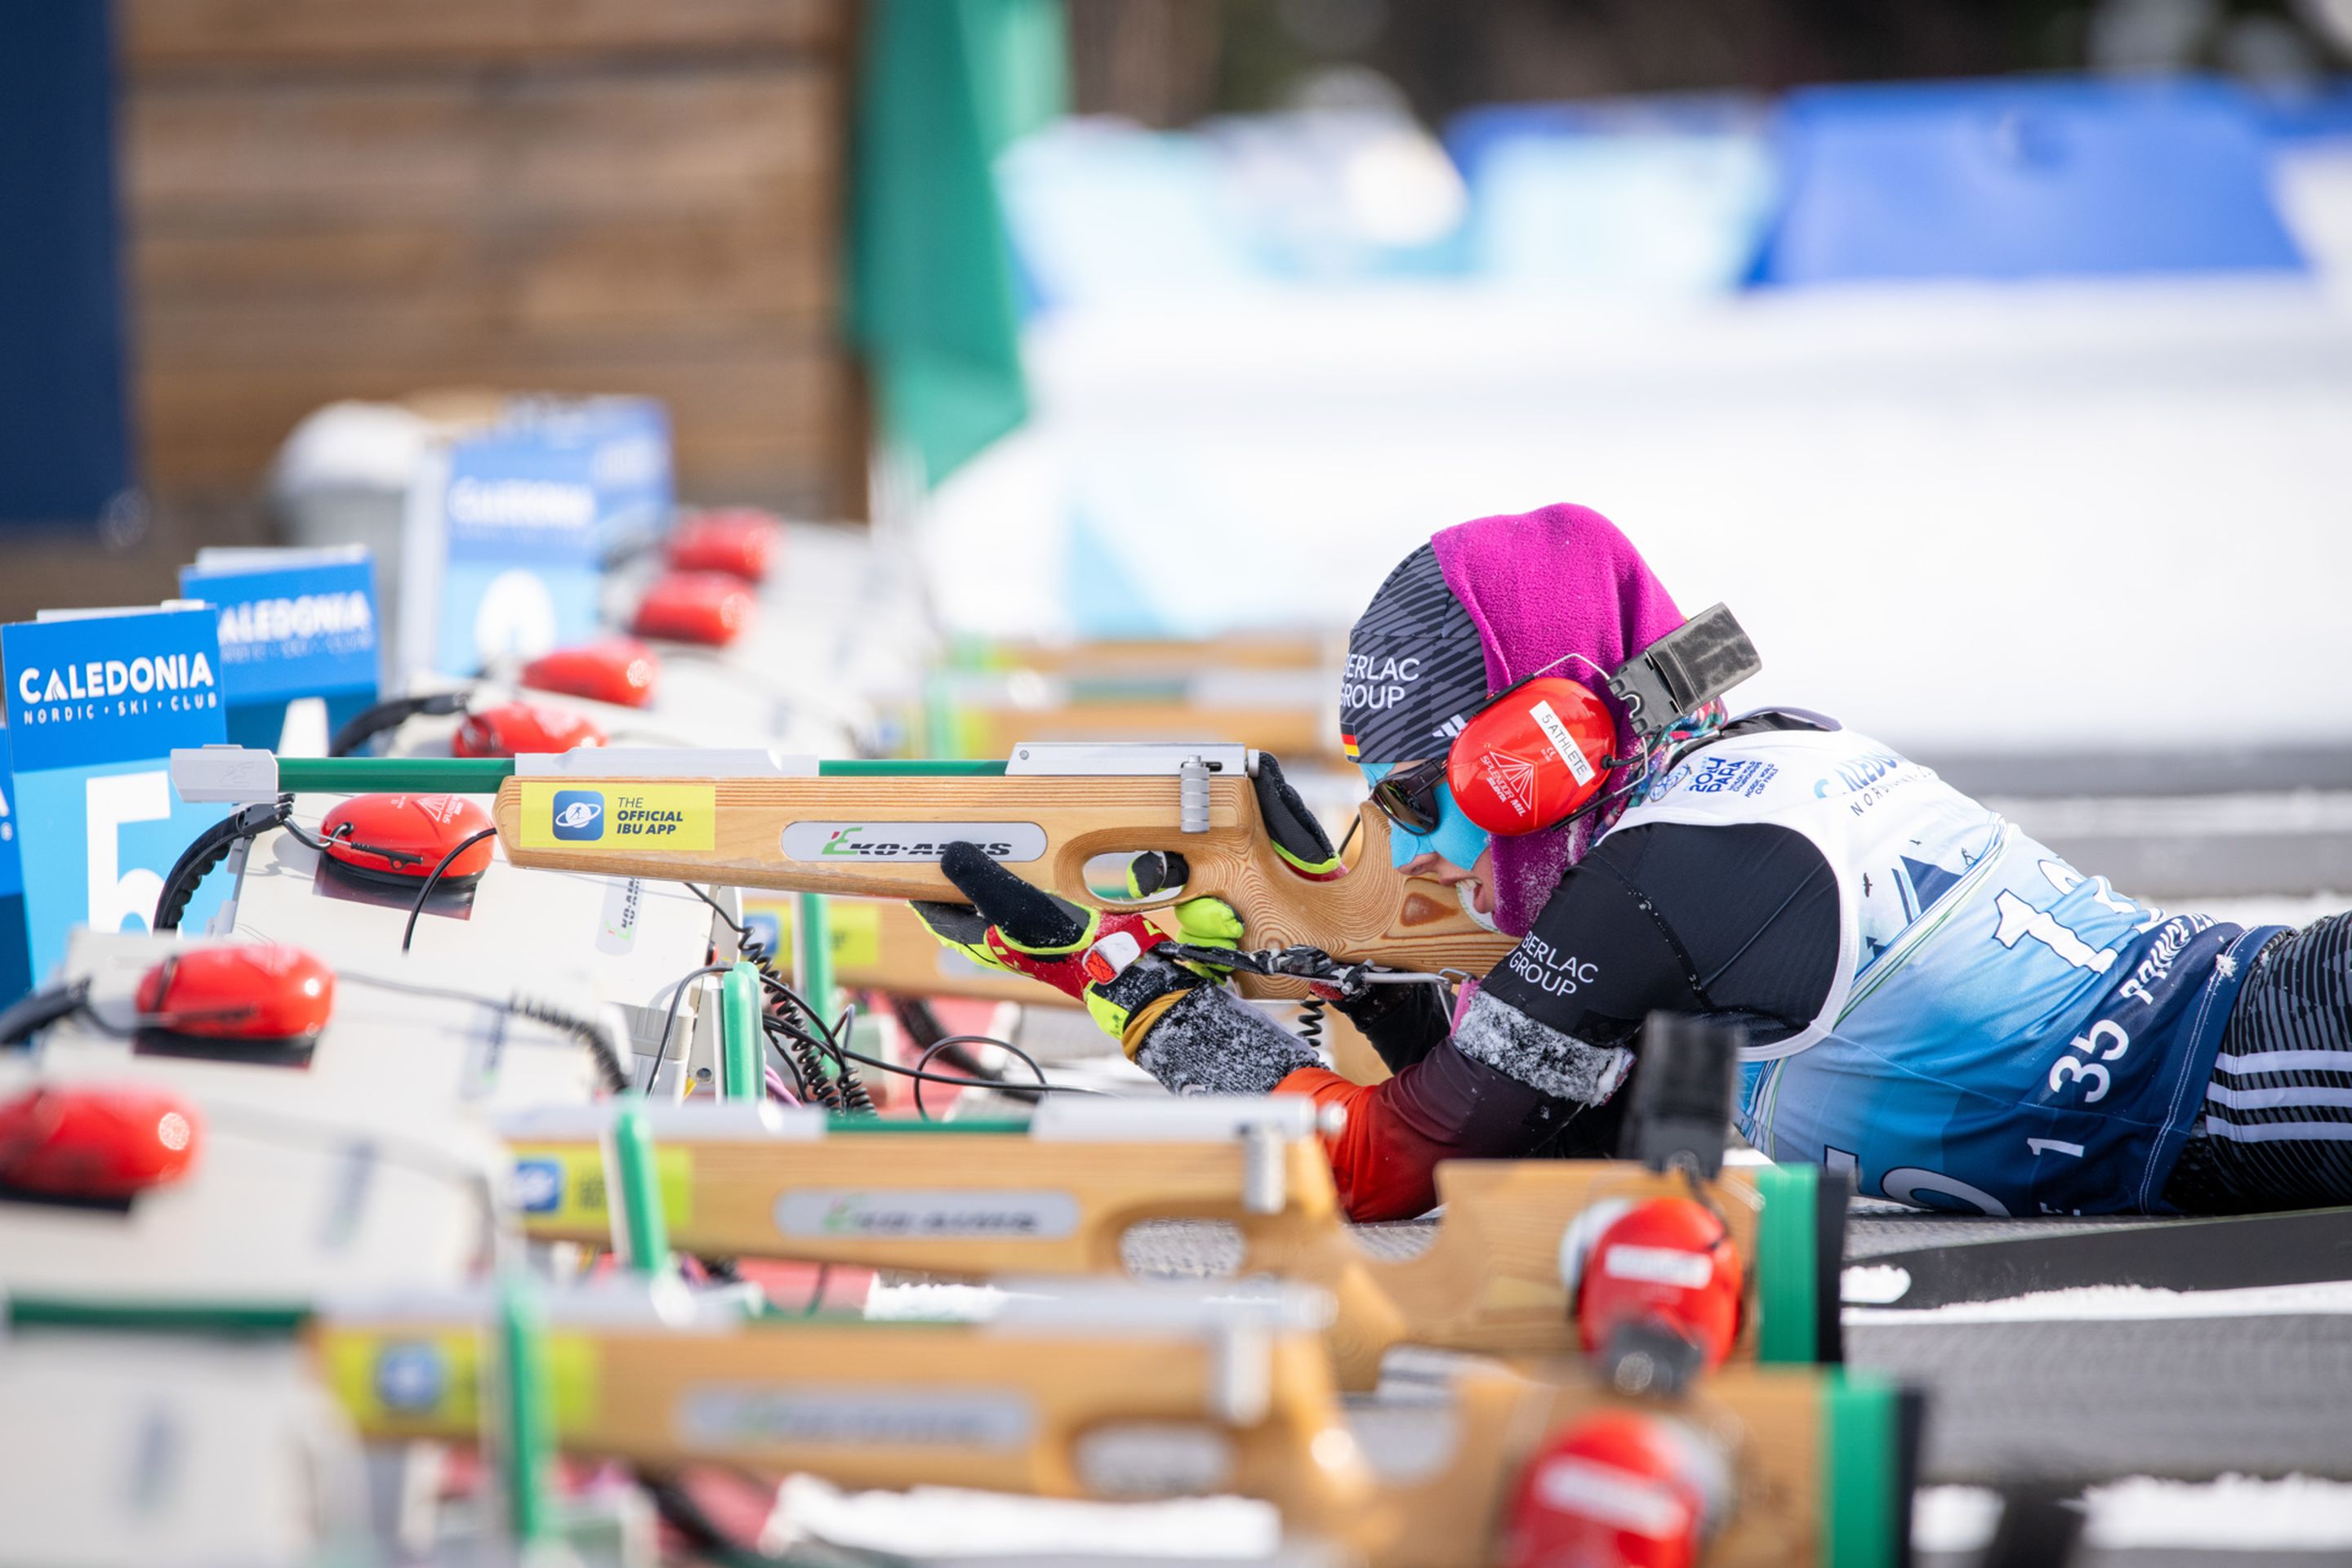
(95, 705)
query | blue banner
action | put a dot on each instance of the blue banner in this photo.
(521, 550)
(628, 443)
(526, 513)
(289, 631)
(95, 706)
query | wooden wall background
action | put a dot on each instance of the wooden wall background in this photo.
(365, 198)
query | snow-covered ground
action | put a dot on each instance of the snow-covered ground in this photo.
(2235, 1514)
(2025, 516)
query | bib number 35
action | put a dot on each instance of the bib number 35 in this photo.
(2088, 1069)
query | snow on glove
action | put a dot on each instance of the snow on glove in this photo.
(1102, 958)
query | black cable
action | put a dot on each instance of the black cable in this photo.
(853, 1087)
(854, 1098)
(28, 1014)
(790, 1064)
(742, 932)
(970, 1082)
(805, 1056)
(608, 1062)
(953, 1041)
(839, 1051)
(851, 1096)
(816, 1291)
(841, 1090)
(616, 1076)
(433, 876)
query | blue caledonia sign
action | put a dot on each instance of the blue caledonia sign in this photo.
(512, 546)
(288, 630)
(96, 704)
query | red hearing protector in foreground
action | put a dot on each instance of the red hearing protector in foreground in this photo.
(1653, 1275)
(512, 729)
(695, 606)
(91, 1141)
(619, 670)
(258, 991)
(1619, 1488)
(739, 541)
(402, 837)
(1532, 756)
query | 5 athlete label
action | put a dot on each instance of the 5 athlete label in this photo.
(618, 816)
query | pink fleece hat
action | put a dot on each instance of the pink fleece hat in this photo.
(1542, 587)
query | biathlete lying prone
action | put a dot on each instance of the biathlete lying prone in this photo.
(1930, 997)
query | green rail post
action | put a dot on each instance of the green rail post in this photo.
(633, 1185)
(740, 1059)
(813, 951)
(1863, 1472)
(527, 1421)
(1788, 1265)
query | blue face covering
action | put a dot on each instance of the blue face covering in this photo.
(1456, 838)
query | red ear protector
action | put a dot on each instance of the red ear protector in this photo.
(1619, 1488)
(259, 993)
(1656, 1288)
(501, 729)
(514, 729)
(267, 993)
(1540, 753)
(709, 607)
(407, 841)
(619, 670)
(1533, 756)
(238, 991)
(107, 1143)
(739, 541)
(400, 837)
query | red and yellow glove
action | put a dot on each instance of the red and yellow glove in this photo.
(1106, 959)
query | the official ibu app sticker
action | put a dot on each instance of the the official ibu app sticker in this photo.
(579, 814)
(619, 817)
(410, 1376)
(539, 1185)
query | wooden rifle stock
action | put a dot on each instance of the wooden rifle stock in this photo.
(874, 829)
(879, 837)
(977, 1204)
